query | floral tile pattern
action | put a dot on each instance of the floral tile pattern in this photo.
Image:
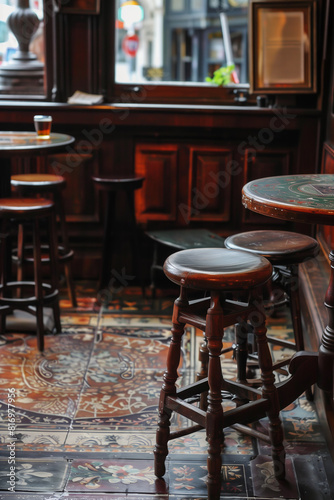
(113, 476)
(94, 393)
(39, 439)
(266, 485)
(50, 475)
(191, 477)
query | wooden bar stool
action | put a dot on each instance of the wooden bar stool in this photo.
(285, 250)
(220, 272)
(34, 295)
(178, 239)
(113, 185)
(45, 184)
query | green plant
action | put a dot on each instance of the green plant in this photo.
(222, 76)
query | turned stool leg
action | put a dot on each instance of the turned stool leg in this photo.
(269, 391)
(214, 419)
(241, 354)
(108, 240)
(20, 253)
(4, 237)
(59, 202)
(54, 268)
(168, 387)
(203, 358)
(38, 285)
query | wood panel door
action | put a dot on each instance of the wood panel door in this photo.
(157, 200)
(209, 189)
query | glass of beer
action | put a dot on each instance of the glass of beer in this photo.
(43, 126)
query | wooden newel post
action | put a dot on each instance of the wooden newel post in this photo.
(23, 74)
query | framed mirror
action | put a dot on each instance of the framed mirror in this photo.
(282, 44)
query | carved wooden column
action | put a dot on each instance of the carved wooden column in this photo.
(24, 74)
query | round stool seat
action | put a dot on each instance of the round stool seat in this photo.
(217, 268)
(39, 182)
(280, 247)
(18, 207)
(115, 182)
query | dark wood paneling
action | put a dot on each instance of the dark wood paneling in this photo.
(114, 136)
(209, 191)
(157, 200)
(266, 163)
(80, 202)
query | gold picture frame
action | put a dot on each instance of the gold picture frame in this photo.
(77, 6)
(282, 45)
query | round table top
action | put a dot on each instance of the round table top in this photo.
(303, 197)
(15, 143)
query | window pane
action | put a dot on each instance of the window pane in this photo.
(8, 42)
(174, 41)
(178, 5)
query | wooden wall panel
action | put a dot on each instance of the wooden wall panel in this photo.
(81, 205)
(209, 193)
(157, 200)
(266, 163)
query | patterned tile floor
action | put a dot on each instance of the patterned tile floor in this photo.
(84, 414)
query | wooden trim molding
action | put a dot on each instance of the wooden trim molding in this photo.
(77, 6)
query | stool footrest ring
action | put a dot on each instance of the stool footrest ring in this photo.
(28, 301)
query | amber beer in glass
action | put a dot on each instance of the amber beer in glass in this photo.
(43, 126)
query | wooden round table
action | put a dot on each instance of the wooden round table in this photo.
(310, 199)
(22, 145)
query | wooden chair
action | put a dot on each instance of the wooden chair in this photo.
(221, 273)
(286, 251)
(45, 185)
(34, 295)
(113, 185)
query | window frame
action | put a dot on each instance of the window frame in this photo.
(168, 92)
(48, 16)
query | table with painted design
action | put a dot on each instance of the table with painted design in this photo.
(309, 199)
(23, 145)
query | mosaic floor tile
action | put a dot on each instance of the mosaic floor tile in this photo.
(113, 476)
(123, 400)
(116, 442)
(34, 474)
(35, 438)
(265, 483)
(141, 421)
(27, 419)
(61, 365)
(121, 320)
(143, 441)
(313, 483)
(119, 356)
(81, 496)
(131, 354)
(31, 496)
(57, 402)
(78, 319)
(190, 478)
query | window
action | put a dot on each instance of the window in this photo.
(9, 46)
(173, 43)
